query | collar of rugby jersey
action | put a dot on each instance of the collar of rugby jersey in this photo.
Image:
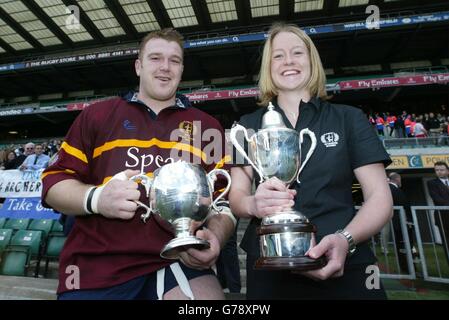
(181, 102)
(307, 111)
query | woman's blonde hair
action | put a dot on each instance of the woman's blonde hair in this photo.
(317, 81)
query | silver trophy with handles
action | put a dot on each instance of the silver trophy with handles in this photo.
(275, 151)
(181, 193)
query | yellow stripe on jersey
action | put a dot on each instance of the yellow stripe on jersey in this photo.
(74, 152)
(120, 143)
(56, 171)
(222, 162)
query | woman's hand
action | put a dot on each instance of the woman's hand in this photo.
(335, 249)
(271, 196)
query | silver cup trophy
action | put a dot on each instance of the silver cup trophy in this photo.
(181, 193)
(286, 236)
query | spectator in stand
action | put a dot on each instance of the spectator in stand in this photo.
(444, 138)
(371, 120)
(10, 161)
(434, 125)
(400, 127)
(419, 131)
(379, 124)
(408, 126)
(412, 125)
(425, 121)
(45, 148)
(391, 120)
(28, 150)
(36, 161)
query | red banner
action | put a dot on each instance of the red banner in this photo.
(82, 105)
(394, 81)
(223, 95)
(342, 85)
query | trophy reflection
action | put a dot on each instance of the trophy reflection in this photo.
(181, 193)
(286, 236)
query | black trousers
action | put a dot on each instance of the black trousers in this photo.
(284, 285)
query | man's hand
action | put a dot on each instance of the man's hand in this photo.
(272, 196)
(335, 248)
(202, 259)
(117, 199)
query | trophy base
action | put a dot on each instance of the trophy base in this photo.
(177, 245)
(303, 263)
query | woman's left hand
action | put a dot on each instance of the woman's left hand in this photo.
(335, 249)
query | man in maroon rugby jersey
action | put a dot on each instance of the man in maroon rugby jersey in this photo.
(110, 253)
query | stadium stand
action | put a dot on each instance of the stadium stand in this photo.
(45, 81)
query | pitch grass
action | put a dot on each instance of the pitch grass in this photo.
(437, 266)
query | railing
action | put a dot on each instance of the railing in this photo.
(397, 264)
(414, 249)
(435, 141)
(433, 251)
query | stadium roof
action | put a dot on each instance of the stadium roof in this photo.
(49, 28)
(42, 26)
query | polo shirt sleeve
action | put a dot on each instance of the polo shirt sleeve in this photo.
(72, 160)
(365, 146)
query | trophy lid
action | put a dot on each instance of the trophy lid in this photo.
(285, 218)
(272, 118)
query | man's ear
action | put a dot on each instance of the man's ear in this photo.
(137, 66)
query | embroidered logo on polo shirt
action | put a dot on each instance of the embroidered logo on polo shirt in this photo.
(128, 125)
(188, 129)
(330, 139)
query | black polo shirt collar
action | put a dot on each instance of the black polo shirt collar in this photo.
(181, 102)
(307, 111)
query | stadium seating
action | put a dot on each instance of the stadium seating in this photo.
(25, 240)
(17, 224)
(24, 246)
(15, 261)
(5, 238)
(44, 225)
(54, 246)
(2, 222)
(57, 227)
(28, 238)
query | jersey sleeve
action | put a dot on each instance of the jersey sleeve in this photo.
(72, 160)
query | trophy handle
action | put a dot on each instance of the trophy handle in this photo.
(212, 176)
(311, 150)
(233, 136)
(146, 182)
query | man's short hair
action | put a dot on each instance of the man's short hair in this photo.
(441, 163)
(168, 34)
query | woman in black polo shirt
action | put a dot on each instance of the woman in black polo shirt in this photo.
(293, 79)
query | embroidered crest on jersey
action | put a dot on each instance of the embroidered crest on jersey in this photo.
(330, 139)
(188, 129)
